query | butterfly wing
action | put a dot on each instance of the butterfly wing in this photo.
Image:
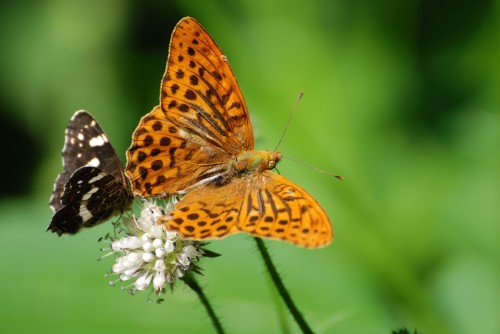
(201, 123)
(265, 205)
(199, 78)
(165, 159)
(85, 145)
(90, 197)
(277, 208)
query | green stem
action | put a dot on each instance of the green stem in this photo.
(281, 287)
(193, 284)
(280, 309)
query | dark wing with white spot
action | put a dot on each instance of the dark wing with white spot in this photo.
(85, 145)
(90, 197)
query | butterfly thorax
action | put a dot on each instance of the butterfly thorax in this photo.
(250, 162)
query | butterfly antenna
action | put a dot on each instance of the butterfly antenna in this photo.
(301, 93)
(314, 168)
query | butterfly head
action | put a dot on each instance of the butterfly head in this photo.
(273, 158)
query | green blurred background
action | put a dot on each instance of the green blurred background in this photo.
(401, 98)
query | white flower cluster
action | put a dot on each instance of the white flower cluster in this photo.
(151, 255)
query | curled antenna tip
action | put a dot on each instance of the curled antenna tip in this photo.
(325, 172)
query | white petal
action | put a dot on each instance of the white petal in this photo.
(125, 277)
(142, 282)
(172, 236)
(169, 246)
(156, 231)
(118, 268)
(169, 278)
(178, 273)
(183, 260)
(160, 252)
(133, 271)
(121, 264)
(159, 280)
(126, 243)
(134, 258)
(160, 265)
(148, 246)
(144, 224)
(132, 242)
(157, 243)
(191, 251)
(148, 257)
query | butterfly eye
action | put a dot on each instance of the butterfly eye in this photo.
(271, 164)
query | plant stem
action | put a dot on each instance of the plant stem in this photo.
(281, 287)
(193, 284)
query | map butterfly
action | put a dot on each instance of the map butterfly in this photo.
(92, 187)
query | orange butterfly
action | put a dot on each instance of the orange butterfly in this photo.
(199, 142)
